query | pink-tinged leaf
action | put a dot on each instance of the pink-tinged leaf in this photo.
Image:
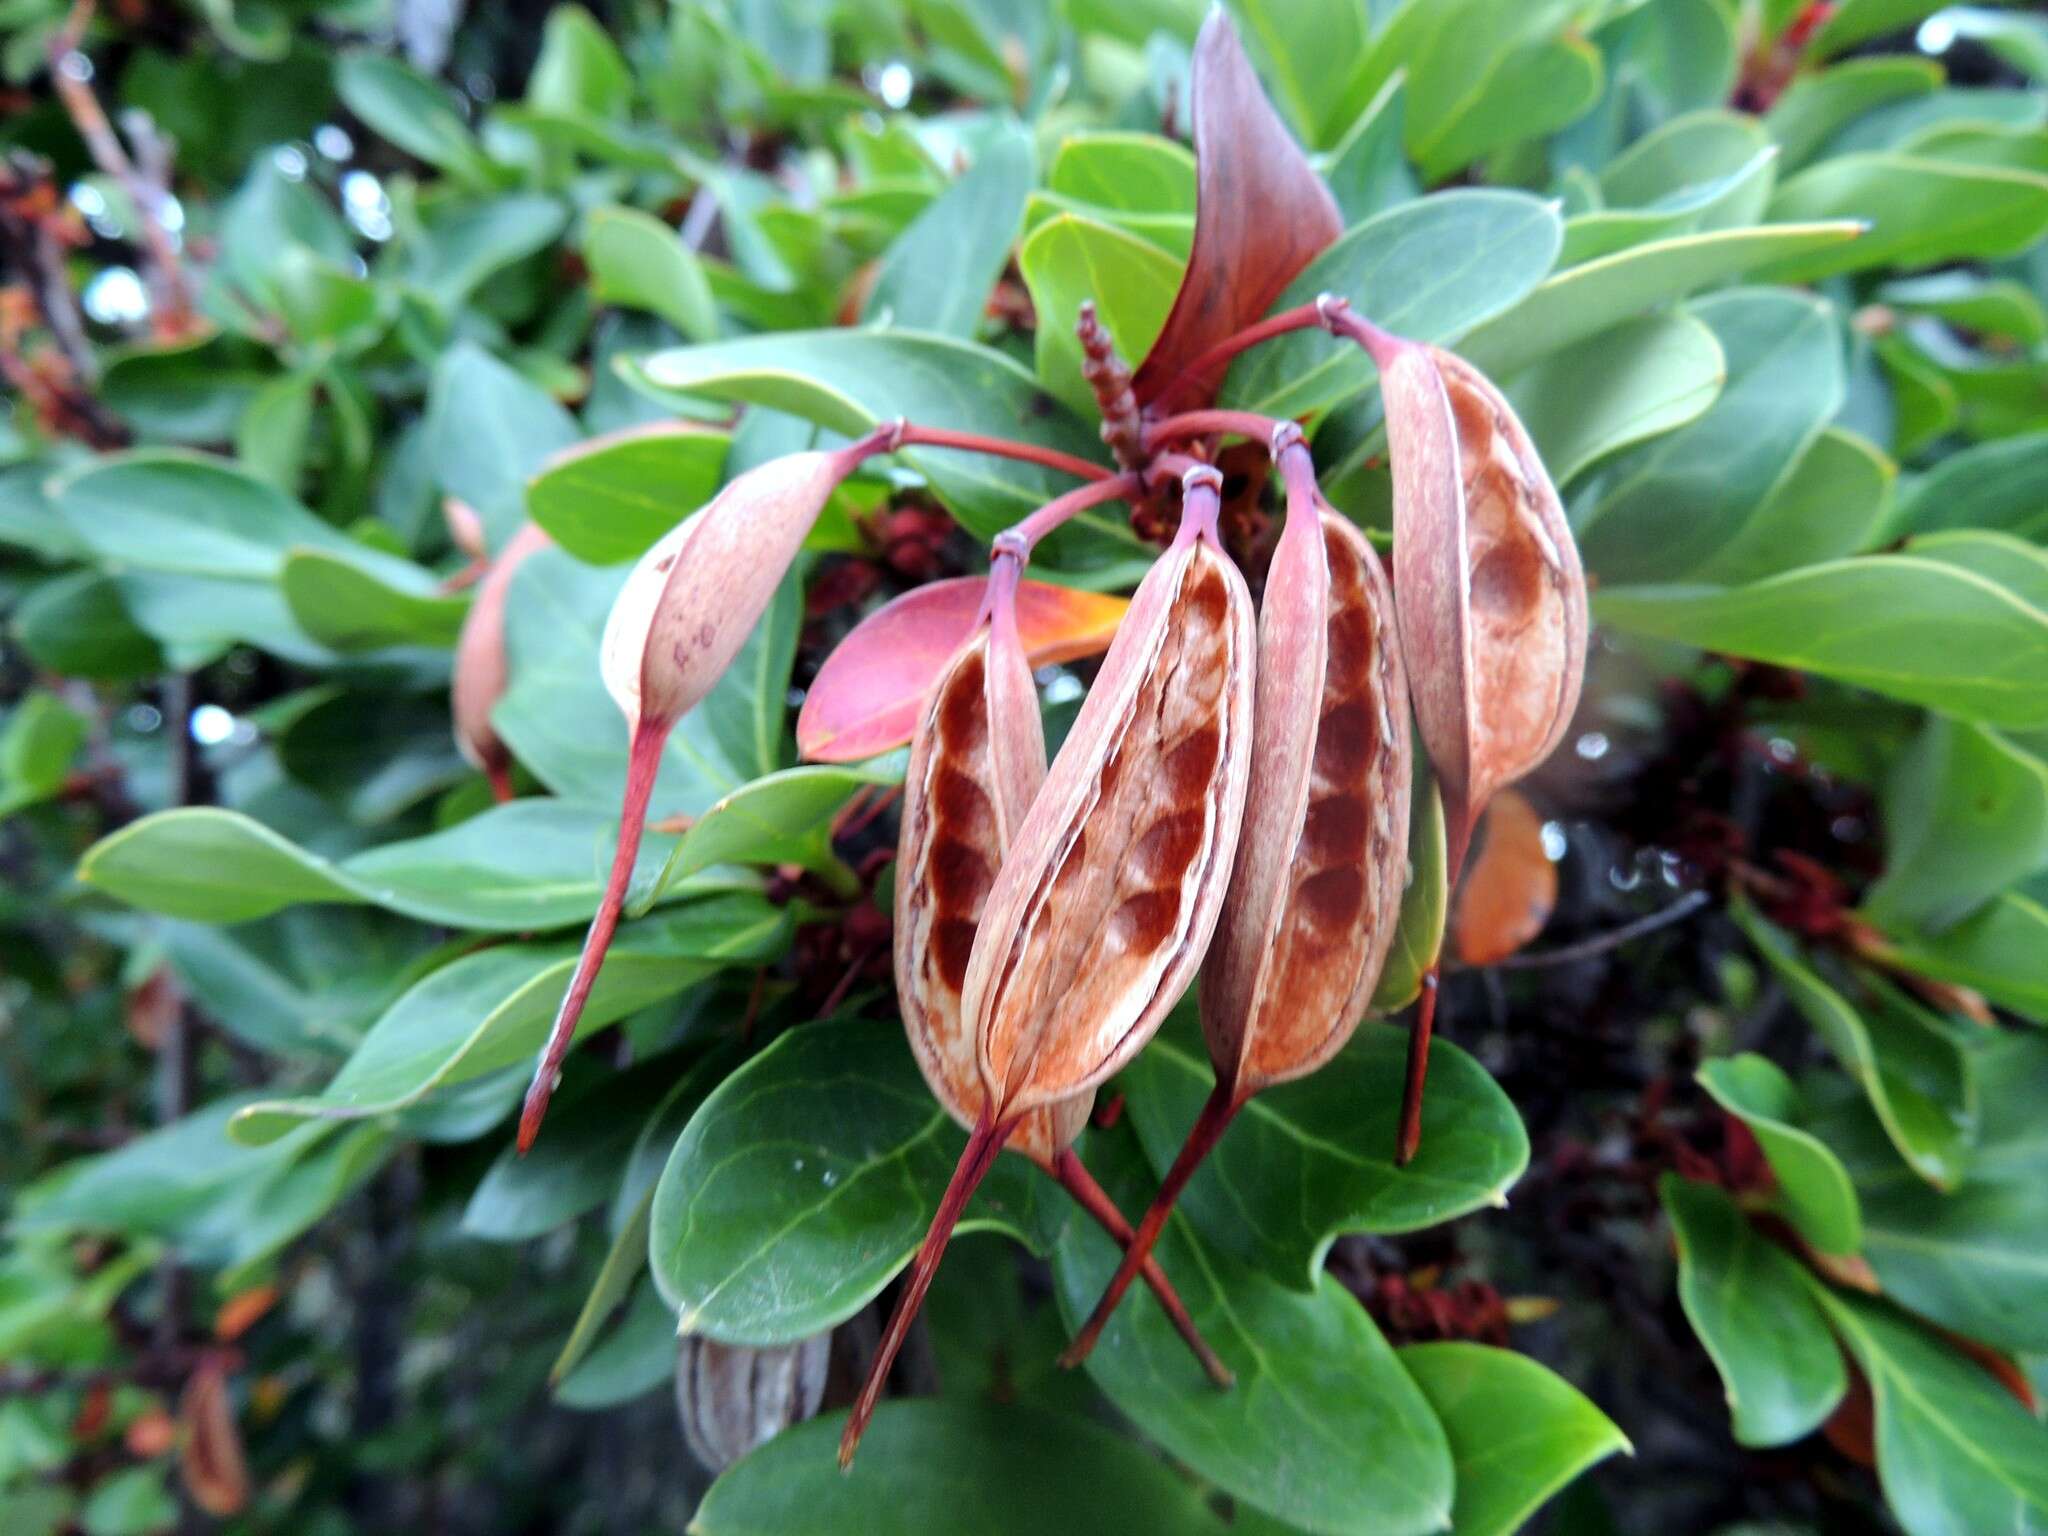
(1261, 215)
(866, 697)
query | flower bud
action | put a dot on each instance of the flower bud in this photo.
(480, 662)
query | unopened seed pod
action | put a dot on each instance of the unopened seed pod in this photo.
(732, 1398)
(480, 671)
(686, 609)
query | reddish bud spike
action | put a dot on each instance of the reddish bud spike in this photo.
(642, 767)
(979, 1155)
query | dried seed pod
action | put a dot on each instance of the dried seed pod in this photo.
(1108, 895)
(686, 609)
(976, 761)
(480, 662)
(1492, 602)
(1315, 896)
(1106, 902)
(732, 1398)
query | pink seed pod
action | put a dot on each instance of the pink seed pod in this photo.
(480, 673)
(686, 609)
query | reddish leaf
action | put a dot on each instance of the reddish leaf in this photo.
(240, 1312)
(150, 1434)
(1261, 215)
(1508, 895)
(152, 1007)
(212, 1465)
(866, 695)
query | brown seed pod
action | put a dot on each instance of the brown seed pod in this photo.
(1492, 603)
(1107, 897)
(1315, 896)
(732, 1398)
(1107, 901)
(976, 761)
(480, 662)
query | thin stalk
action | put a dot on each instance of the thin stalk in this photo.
(1208, 1129)
(1174, 429)
(1303, 317)
(891, 436)
(643, 763)
(983, 1143)
(1077, 1181)
(1020, 539)
(1408, 1139)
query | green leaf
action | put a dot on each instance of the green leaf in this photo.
(488, 430)
(462, 244)
(1129, 172)
(1707, 170)
(1506, 1470)
(131, 1502)
(931, 1466)
(1922, 212)
(528, 864)
(1909, 628)
(607, 500)
(638, 261)
(1671, 505)
(1914, 1078)
(1432, 269)
(1323, 1430)
(2022, 41)
(77, 625)
(936, 275)
(28, 517)
(414, 113)
(1819, 104)
(847, 381)
(1367, 169)
(1748, 1301)
(373, 755)
(781, 818)
(1644, 378)
(363, 600)
(1966, 814)
(1588, 299)
(1309, 1161)
(1068, 261)
(1425, 902)
(1971, 1260)
(41, 737)
(1995, 306)
(579, 72)
(807, 1180)
(1309, 51)
(638, 1356)
(572, 735)
(2001, 950)
(1831, 503)
(1857, 21)
(2001, 485)
(197, 548)
(491, 1009)
(1813, 1187)
(1955, 1452)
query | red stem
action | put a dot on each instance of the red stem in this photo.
(499, 775)
(1077, 1181)
(1302, 317)
(1408, 1139)
(643, 763)
(983, 1143)
(904, 435)
(1208, 1129)
(1021, 538)
(1171, 429)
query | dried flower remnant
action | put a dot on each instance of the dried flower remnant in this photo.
(1108, 895)
(1492, 598)
(976, 760)
(1315, 896)
(686, 609)
(480, 672)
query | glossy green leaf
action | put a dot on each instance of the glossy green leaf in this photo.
(807, 1180)
(525, 865)
(1816, 105)
(936, 275)
(1747, 1299)
(40, 737)
(1671, 505)
(1587, 299)
(781, 818)
(1505, 1470)
(580, 71)
(373, 755)
(363, 601)
(1432, 269)
(1131, 282)
(1311, 1160)
(637, 261)
(1830, 504)
(463, 244)
(1956, 1454)
(1994, 306)
(1966, 814)
(1813, 1187)
(847, 381)
(1857, 21)
(1709, 170)
(931, 1466)
(78, 625)
(1492, 74)
(1923, 212)
(1425, 902)
(606, 500)
(1324, 1430)
(2001, 484)
(1644, 378)
(1130, 172)
(491, 1009)
(488, 429)
(1367, 169)
(1908, 628)
(1914, 1079)
(414, 113)
(1309, 51)
(2001, 950)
